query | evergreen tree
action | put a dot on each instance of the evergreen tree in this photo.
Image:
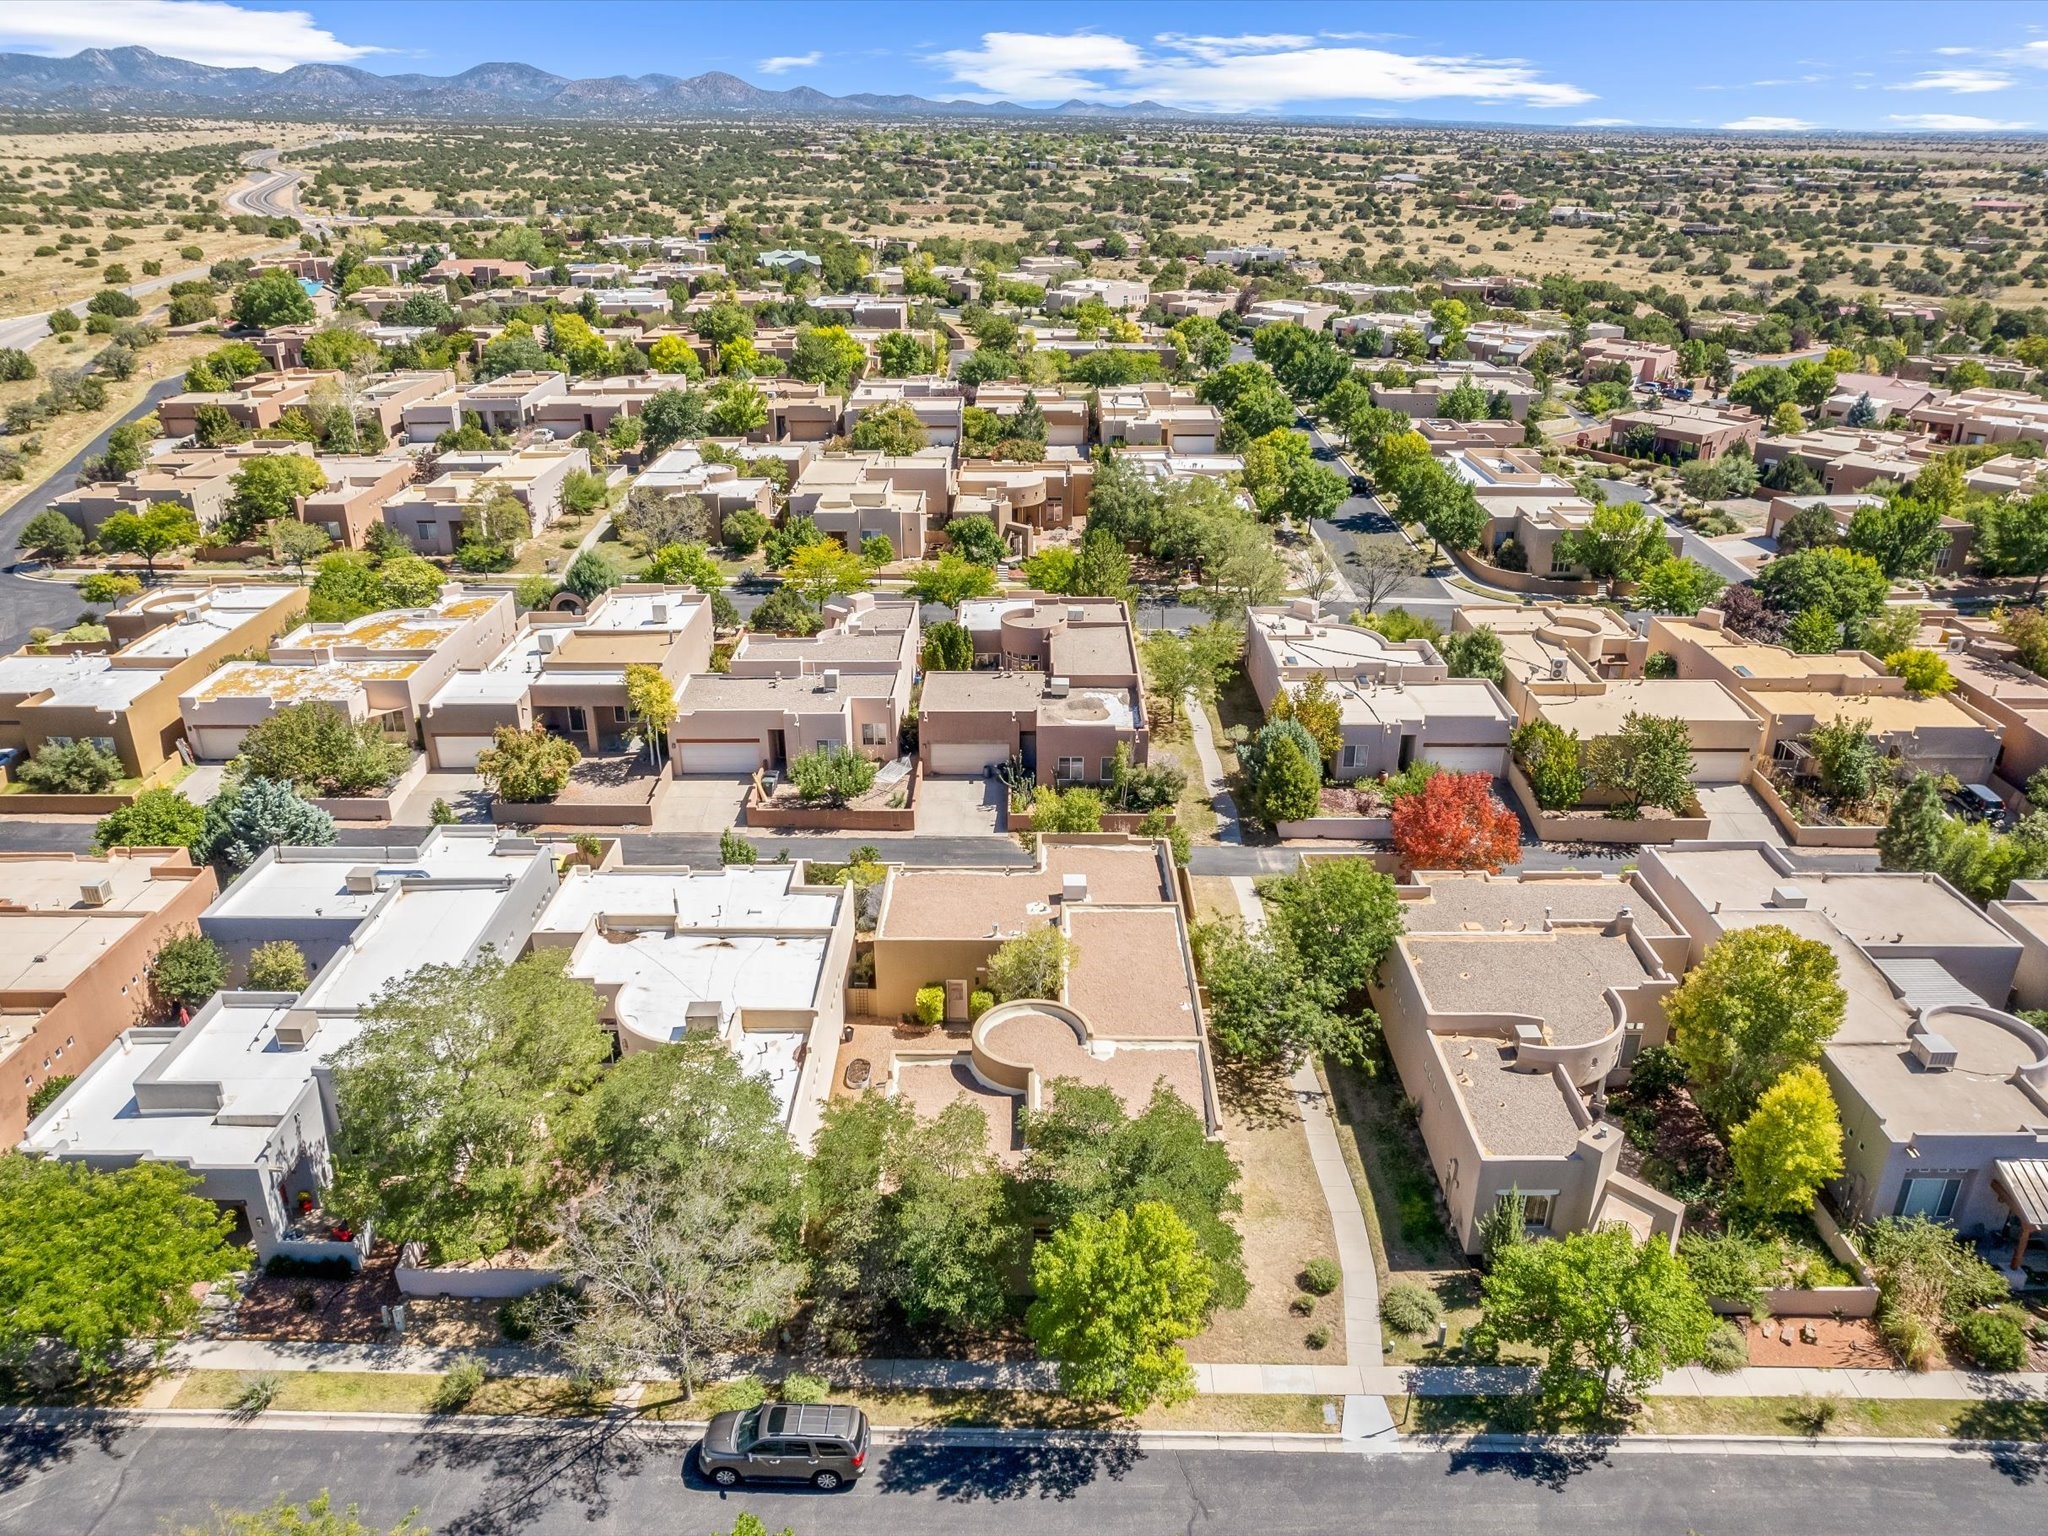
(1916, 834)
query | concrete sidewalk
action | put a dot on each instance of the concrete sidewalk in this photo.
(1210, 1378)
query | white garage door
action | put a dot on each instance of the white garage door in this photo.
(215, 743)
(967, 756)
(459, 751)
(1467, 759)
(718, 756)
(1719, 767)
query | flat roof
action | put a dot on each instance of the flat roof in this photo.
(425, 924)
(313, 882)
(1561, 976)
(1516, 1114)
(87, 679)
(1482, 903)
(1322, 645)
(1874, 907)
(1886, 712)
(736, 897)
(1601, 714)
(1131, 978)
(803, 695)
(948, 903)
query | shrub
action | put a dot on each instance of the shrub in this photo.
(1319, 1337)
(735, 1396)
(1410, 1310)
(257, 1392)
(318, 750)
(108, 586)
(1034, 964)
(979, 1002)
(188, 968)
(461, 1383)
(158, 818)
(1909, 1338)
(1992, 1340)
(930, 1007)
(527, 767)
(279, 966)
(734, 849)
(78, 769)
(800, 1388)
(831, 775)
(1321, 1276)
(1725, 1350)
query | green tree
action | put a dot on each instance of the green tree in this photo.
(1475, 652)
(826, 354)
(50, 535)
(1676, 585)
(409, 582)
(1851, 766)
(454, 1103)
(527, 767)
(1813, 633)
(736, 409)
(785, 611)
(1554, 762)
(188, 968)
(2012, 539)
(1265, 1006)
(1904, 536)
(948, 647)
(591, 575)
(297, 542)
(108, 587)
(1341, 916)
(1076, 809)
(256, 814)
(317, 749)
(1916, 833)
(651, 701)
(273, 297)
(1790, 1146)
(742, 532)
(685, 565)
(668, 417)
(1617, 543)
(1926, 672)
(157, 818)
(76, 768)
(1116, 1294)
(1610, 1313)
(1841, 583)
(892, 429)
(317, 1517)
(823, 571)
(94, 1259)
(151, 534)
(901, 354)
(975, 538)
(1032, 965)
(1761, 1002)
(1648, 762)
(279, 966)
(1085, 1154)
(951, 580)
(1290, 784)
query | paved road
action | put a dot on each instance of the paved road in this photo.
(25, 603)
(581, 1481)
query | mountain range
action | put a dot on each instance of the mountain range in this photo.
(138, 80)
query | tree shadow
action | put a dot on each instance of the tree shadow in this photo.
(1548, 1462)
(576, 1462)
(2015, 1428)
(1257, 1092)
(34, 1442)
(1057, 1465)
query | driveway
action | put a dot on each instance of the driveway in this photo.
(460, 787)
(959, 807)
(1735, 814)
(704, 804)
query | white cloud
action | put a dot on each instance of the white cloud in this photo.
(1963, 82)
(1767, 125)
(1251, 73)
(1953, 122)
(782, 63)
(203, 31)
(1601, 122)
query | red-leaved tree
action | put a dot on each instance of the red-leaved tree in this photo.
(1455, 823)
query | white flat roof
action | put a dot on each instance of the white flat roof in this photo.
(312, 886)
(423, 925)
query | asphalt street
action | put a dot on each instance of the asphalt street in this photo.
(587, 1480)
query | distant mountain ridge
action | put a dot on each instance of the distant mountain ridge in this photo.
(139, 80)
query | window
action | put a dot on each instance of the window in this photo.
(1933, 1198)
(424, 532)
(1071, 768)
(871, 733)
(1536, 1210)
(1350, 754)
(618, 714)
(1108, 769)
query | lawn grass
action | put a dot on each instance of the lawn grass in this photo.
(1395, 1184)
(391, 1392)
(1276, 1413)
(1792, 1418)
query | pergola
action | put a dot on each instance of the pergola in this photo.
(2022, 1183)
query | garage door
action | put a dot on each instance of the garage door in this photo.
(215, 743)
(1490, 760)
(1719, 767)
(459, 751)
(726, 757)
(967, 756)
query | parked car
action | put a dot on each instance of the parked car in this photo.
(1978, 802)
(823, 1444)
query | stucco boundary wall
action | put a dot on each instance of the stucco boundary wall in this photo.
(1803, 835)
(31, 803)
(415, 1277)
(1552, 828)
(1132, 822)
(584, 813)
(1351, 829)
(377, 807)
(1521, 581)
(824, 818)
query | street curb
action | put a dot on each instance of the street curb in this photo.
(1575, 1447)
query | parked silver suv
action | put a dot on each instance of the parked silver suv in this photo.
(823, 1444)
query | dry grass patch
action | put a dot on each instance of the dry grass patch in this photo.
(393, 1392)
(1277, 1413)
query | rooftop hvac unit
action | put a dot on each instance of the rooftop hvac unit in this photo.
(298, 1027)
(1557, 669)
(701, 1015)
(829, 682)
(1073, 887)
(1957, 644)
(547, 644)
(1788, 897)
(659, 612)
(1055, 687)
(1077, 615)
(1934, 1053)
(96, 893)
(362, 879)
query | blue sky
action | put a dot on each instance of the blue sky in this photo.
(1953, 67)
